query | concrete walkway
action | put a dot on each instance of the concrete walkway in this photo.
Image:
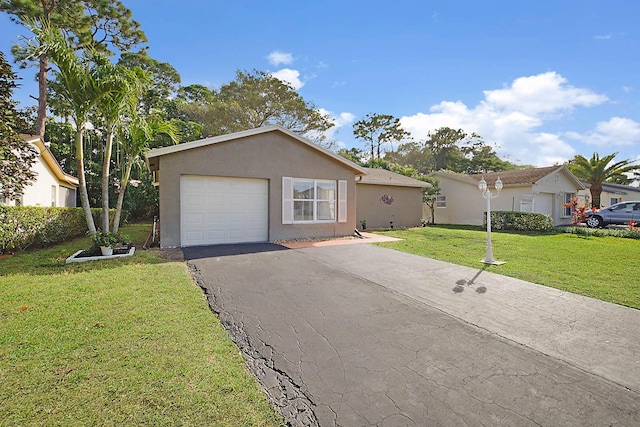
(357, 335)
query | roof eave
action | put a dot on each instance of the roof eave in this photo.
(247, 133)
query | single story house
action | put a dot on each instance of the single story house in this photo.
(539, 190)
(611, 194)
(51, 186)
(263, 184)
(387, 199)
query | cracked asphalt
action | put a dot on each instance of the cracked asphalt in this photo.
(358, 335)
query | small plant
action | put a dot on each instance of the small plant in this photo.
(363, 224)
(633, 226)
(108, 239)
(579, 213)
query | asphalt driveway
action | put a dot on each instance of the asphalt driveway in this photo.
(358, 335)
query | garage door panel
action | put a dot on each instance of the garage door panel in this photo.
(217, 210)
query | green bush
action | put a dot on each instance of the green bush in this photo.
(23, 227)
(603, 232)
(520, 221)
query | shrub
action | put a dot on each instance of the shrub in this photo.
(520, 221)
(603, 232)
(23, 227)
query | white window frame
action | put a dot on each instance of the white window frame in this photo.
(527, 203)
(339, 203)
(441, 201)
(567, 212)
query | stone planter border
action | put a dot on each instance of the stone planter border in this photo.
(73, 258)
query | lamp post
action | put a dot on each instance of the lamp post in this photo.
(486, 193)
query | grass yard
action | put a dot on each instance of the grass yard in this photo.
(606, 268)
(117, 342)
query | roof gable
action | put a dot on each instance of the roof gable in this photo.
(518, 177)
(158, 152)
(47, 156)
(377, 176)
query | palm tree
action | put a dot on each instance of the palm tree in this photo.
(81, 81)
(135, 139)
(111, 109)
(598, 170)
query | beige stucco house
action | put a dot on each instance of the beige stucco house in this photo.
(386, 199)
(263, 184)
(611, 194)
(539, 190)
(51, 186)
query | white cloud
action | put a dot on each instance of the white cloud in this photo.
(603, 37)
(546, 93)
(616, 132)
(339, 121)
(289, 76)
(512, 116)
(277, 58)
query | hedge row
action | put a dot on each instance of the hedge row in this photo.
(520, 221)
(603, 232)
(23, 227)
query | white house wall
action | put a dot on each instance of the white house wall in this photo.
(465, 204)
(45, 189)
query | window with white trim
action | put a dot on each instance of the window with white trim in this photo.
(567, 210)
(527, 203)
(614, 200)
(313, 200)
(441, 201)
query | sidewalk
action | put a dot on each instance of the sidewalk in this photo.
(598, 337)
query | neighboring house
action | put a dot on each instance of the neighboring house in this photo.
(611, 194)
(263, 184)
(538, 190)
(385, 198)
(51, 186)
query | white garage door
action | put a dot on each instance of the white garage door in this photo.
(216, 210)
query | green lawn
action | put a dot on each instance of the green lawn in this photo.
(606, 268)
(119, 342)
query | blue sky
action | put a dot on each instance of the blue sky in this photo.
(543, 80)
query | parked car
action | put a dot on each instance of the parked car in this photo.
(620, 213)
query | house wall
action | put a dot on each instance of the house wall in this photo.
(46, 190)
(553, 188)
(465, 204)
(606, 197)
(404, 211)
(271, 156)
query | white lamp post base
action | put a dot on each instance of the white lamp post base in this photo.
(484, 261)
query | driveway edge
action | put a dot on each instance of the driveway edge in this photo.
(285, 395)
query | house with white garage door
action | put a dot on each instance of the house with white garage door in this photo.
(540, 190)
(258, 185)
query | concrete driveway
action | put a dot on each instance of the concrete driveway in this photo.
(358, 335)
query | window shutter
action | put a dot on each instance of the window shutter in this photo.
(342, 201)
(287, 200)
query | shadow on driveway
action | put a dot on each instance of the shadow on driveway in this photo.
(215, 251)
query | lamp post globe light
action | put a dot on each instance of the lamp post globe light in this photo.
(486, 193)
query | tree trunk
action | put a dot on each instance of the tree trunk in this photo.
(433, 214)
(123, 187)
(84, 196)
(596, 191)
(106, 164)
(42, 94)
